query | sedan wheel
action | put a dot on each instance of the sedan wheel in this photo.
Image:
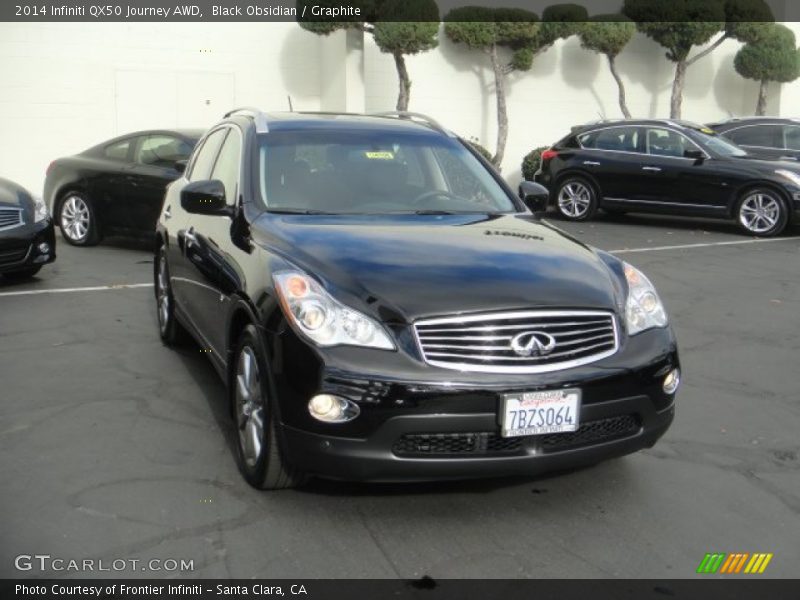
(761, 212)
(576, 200)
(77, 221)
(260, 458)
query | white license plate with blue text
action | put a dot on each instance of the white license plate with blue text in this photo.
(538, 413)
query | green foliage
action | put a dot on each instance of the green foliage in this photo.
(480, 28)
(774, 58)
(407, 26)
(748, 20)
(677, 25)
(561, 21)
(607, 34)
(531, 162)
(479, 148)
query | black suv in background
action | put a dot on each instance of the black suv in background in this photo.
(763, 137)
(383, 307)
(668, 167)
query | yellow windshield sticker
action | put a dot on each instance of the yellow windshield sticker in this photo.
(707, 130)
(383, 155)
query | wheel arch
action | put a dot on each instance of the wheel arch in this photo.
(575, 172)
(753, 185)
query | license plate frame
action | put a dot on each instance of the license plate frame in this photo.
(567, 400)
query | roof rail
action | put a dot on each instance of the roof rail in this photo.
(413, 116)
(259, 117)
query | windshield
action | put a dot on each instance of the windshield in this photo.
(374, 173)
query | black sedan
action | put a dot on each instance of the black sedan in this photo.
(27, 236)
(772, 138)
(668, 167)
(117, 186)
(383, 307)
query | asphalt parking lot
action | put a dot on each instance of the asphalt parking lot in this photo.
(114, 446)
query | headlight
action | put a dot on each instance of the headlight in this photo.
(790, 175)
(39, 210)
(643, 309)
(322, 318)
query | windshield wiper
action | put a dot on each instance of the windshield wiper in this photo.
(434, 211)
(297, 211)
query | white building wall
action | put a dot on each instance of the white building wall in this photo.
(68, 86)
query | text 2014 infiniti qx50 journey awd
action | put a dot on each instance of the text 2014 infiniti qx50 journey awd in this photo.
(383, 307)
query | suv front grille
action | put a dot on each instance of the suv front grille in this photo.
(439, 445)
(486, 342)
(10, 218)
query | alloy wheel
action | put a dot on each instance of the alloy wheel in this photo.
(574, 199)
(250, 407)
(75, 218)
(162, 293)
(759, 212)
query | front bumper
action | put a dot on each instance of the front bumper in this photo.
(20, 247)
(419, 423)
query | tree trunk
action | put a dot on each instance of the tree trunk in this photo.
(761, 106)
(404, 94)
(623, 106)
(502, 110)
(677, 90)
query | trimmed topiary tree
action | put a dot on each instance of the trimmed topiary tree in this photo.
(399, 28)
(519, 30)
(774, 58)
(609, 34)
(680, 25)
(531, 162)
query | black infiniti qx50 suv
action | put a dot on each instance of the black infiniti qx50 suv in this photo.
(383, 307)
(668, 167)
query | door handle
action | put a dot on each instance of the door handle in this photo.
(168, 212)
(591, 162)
(654, 169)
(190, 236)
(788, 158)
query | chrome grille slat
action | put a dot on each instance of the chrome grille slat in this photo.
(483, 342)
(514, 327)
(10, 218)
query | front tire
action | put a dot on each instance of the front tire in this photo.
(78, 220)
(762, 212)
(171, 331)
(259, 455)
(576, 199)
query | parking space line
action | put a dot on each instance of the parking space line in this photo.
(98, 288)
(707, 245)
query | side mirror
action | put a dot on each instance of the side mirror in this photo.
(180, 165)
(695, 154)
(205, 198)
(535, 196)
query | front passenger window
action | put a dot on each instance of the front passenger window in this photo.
(227, 167)
(663, 142)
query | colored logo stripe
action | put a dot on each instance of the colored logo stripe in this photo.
(721, 562)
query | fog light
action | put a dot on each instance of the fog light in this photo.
(43, 248)
(672, 381)
(332, 409)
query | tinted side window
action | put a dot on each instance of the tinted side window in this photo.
(664, 142)
(622, 139)
(766, 136)
(206, 155)
(227, 166)
(118, 151)
(161, 151)
(791, 138)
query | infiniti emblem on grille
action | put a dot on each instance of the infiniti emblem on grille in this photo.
(533, 343)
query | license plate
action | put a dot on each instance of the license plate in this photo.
(537, 413)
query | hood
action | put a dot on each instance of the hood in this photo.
(404, 267)
(14, 195)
